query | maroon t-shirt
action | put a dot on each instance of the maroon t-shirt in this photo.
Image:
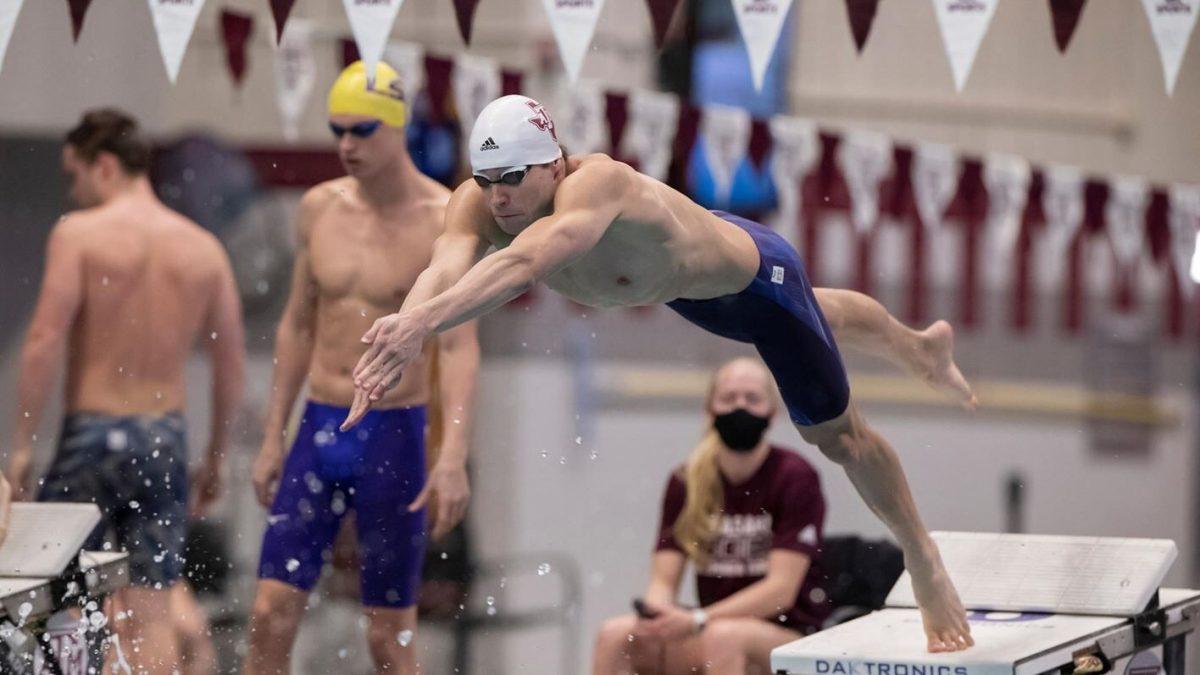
(779, 507)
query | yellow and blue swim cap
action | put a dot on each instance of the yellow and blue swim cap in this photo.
(353, 93)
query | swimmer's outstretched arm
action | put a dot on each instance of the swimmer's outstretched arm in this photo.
(586, 204)
(44, 352)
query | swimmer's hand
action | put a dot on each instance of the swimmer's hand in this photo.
(265, 475)
(205, 488)
(395, 341)
(449, 490)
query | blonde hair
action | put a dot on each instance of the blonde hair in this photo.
(696, 527)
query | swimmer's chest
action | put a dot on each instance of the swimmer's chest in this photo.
(361, 257)
(630, 265)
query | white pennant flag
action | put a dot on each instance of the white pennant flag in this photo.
(760, 22)
(582, 123)
(408, 58)
(1184, 221)
(1006, 179)
(650, 130)
(934, 181)
(726, 134)
(174, 21)
(795, 149)
(865, 159)
(963, 24)
(573, 23)
(1172, 22)
(295, 74)
(1062, 203)
(8, 21)
(476, 84)
(1125, 218)
(371, 22)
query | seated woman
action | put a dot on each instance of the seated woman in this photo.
(749, 516)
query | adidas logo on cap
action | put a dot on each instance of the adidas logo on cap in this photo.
(489, 144)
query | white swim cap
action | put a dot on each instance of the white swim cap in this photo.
(513, 131)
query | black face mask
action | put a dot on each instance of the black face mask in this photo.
(741, 430)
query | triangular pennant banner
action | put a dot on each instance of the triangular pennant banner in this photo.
(295, 75)
(582, 124)
(726, 134)
(760, 22)
(464, 12)
(371, 22)
(1184, 221)
(865, 159)
(8, 21)
(476, 83)
(573, 24)
(174, 21)
(661, 13)
(934, 181)
(1172, 22)
(78, 9)
(963, 24)
(649, 136)
(1006, 179)
(795, 151)
(1125, 218)
(280, 9)
(235, 32)
(1064, 14)
(408, 58)
(861, 14)
(1063, 205)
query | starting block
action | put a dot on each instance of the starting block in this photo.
(43, 575)
(1036, 604)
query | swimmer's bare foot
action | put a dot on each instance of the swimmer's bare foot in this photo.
(934, 363)
(942, 613)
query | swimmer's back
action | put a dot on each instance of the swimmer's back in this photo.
(149, 281)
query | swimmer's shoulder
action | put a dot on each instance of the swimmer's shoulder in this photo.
(317, 200)
(467, 211)
(599, 175)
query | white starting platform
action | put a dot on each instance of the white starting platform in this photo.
(1036, 605)
(43, 574)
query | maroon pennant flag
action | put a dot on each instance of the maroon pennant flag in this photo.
(78, 9)
(464, 11)
(511, 82)
(685, 139)
(349, 51)
(616, 111)
(235, 32)
(280, 9)
(862, 15)
(437, 85)
(661, 13)
(1022, 289)
(759, 147)
(1065, 15)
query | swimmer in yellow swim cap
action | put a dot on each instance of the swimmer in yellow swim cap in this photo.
(362, 241)
(368, 117)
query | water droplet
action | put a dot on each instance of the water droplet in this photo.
(104, 281)
(593, 455)
(342, 653)
(445, 556)
(292, 565)
(134, 505)
(491, 606)
(213, 335)
(579, 440)
(562, 460)
(544, 454)
(24, 611)
(362, 312)
(404, 637)
(543, 569)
